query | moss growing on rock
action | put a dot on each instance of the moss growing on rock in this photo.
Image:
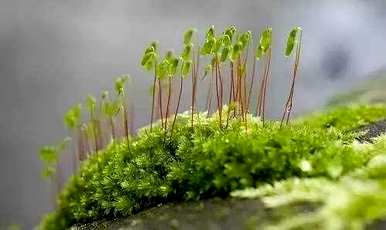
(206, 162)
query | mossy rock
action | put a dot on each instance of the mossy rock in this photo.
(369, 91)
(205, 162)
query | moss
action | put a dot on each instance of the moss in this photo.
(368, 92)
(207, 161)
(355, 201)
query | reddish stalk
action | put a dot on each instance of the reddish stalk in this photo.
(126, 125)
(195, 67)
(209, 97)
(178, 105)
(244, 91)
(238, 92)
(260, 93)
(153, 101)
(96, 133)
(160, 102)
(193, 83)
(289, 103)
(218, 93)
(221, 91)
(168, 102)
(266, 80)
(251, 85)
(113, 135)
(230, 92)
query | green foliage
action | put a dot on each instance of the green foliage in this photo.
(292, 40)
(188, 36)
(245, 38)
(236, 51)
(211, 33)
(264, 43)
(353, 202)
(369, 91)
(120, 84)
(208, 46)
(49, 155)
(230, 31)
(186, 67)
(149, 58)
(73, 116)
(91, 104)
(205, 162)
(346, 118)
(111, 108)
(187, 52)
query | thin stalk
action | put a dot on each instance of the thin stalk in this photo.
(131, 116)
(244, 81)
(251, 85)
(95, 137)
(239, 87)
(209, 98)
(221, 92)
(168, 101)
(266, 83)
(230, 92)
(160, 102)
(78, 149)
(178, 104)
(196, 70)
(153, 101)
(218, 93)
(113, 135)
(192, 107)
(289, 103)
(126, 125)
(260, 92)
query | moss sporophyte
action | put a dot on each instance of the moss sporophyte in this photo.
(196, 155)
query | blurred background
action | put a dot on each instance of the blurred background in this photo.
(53, 53)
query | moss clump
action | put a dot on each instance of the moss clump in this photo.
(368, 92)
(207, 161)
(355, 201)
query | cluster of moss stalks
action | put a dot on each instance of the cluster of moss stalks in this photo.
(205, 161)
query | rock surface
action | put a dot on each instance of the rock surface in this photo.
(208, 214)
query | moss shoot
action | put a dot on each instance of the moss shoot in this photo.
(205, 161)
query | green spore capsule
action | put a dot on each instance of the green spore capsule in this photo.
(186, 66)
(186, 53)
(230, 31)
(211, 33)
(266, 39)
(245, 38)
(236, 50)
(216, 46)
(148, 57)
(154, 45)
(225, 53)
(105, 94)
(162, 69)
(292, 40)
(208, 46)
(72, 116)
(226, 40)
(169, 55)
(188, 36)
(173, 65)
(90, 103)
(259, 52)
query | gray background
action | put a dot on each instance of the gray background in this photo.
(55, 52)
